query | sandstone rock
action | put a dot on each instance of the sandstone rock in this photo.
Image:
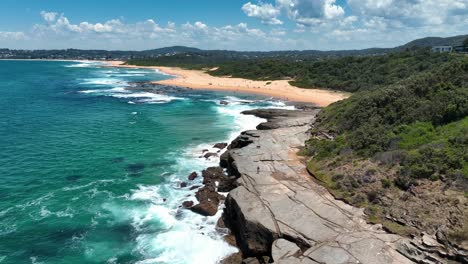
(277, 199)
(429, 241)
(212, 174)
(205, 208)
(192, 176)
(250, 261)
(235, 258)
(283, 250)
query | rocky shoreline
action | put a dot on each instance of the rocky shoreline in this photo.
(276, 212)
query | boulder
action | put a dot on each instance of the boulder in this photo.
(206, 208)
(223, 102)
(212, 174)
(183, 184)
(220, 145)
(210, 154)
(192, 176)
(187, 204)
(208, 201)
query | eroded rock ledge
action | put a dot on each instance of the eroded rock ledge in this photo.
(278, 213)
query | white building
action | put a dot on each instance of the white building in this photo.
(442, 49)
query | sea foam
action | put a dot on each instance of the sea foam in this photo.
(191, 238)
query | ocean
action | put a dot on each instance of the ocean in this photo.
(91, 164)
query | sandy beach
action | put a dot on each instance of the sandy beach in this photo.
(197, 79)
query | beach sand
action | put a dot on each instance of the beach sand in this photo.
(197, 79)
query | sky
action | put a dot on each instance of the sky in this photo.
(226, 24)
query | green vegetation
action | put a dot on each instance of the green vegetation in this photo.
(349, 74)
(398, 146)
(421, 120)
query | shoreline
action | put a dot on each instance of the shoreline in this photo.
(200, 80)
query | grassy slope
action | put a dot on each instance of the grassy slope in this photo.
(398, 146)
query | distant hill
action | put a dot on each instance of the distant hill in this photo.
(170, 50)
(190, 55)
(434, 41)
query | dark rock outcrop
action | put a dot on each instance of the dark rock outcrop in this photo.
(187, 204)
(192, 176)
(220, 145)
(210, 154)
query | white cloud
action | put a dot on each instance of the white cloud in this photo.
(58, 31)
(267, 13)
(49, 16)
(412, 13)
(311, 12)
(12, 35)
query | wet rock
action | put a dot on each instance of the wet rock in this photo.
(192, 176)
(208, 201)
(208, 194)
(235, 258)
(209, 155)
(187, 204)
(205, 150)
(183, 184)
(220, 145)
(194, 187)
(223, 102)
(212, 174)
(205, 208)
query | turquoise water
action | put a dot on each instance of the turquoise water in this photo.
(90, 170)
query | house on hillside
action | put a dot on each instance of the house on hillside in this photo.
(461, 49)
(441, 49)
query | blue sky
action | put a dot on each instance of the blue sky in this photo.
(227, 24)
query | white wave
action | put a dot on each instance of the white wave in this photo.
(104, 81)
(85, 64)
(126, 75)
(186, 237)
(113, 90)
(150, 98)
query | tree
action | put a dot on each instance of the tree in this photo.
(465, 42)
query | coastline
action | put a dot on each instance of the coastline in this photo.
(281, 89)
(277, 213)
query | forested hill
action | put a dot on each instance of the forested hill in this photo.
(401, 151)
(349, 74)
(434, 41)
